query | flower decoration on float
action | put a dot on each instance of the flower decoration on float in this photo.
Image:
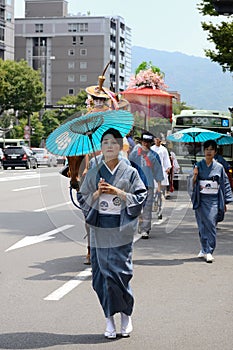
(147, 75)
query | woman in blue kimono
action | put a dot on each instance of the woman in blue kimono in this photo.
(211, 193)
(111, 198)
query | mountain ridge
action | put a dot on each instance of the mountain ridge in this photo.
(200, 82)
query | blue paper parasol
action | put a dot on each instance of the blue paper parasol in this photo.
(82, 135)
(225, 140)
(194, 135)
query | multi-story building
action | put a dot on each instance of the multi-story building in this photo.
(7, 29)
(72, 51)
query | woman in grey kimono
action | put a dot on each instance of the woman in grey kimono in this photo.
(211, 193)
(111, 198)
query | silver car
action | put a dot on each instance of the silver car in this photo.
(44, 157)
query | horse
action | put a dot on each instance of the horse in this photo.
(77, 165)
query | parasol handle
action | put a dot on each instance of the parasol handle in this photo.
(93, 147)
(102, 77)
(106, 68)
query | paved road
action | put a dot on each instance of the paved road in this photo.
(47, 302)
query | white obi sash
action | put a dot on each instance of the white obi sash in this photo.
(208, 187)
(109, 204)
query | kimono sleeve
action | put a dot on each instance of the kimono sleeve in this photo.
(136, 195)
(85, 195)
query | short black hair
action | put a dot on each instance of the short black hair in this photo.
(116, 134)
(211, 143)
(147, 137)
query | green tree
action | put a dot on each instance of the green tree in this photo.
(50, 122)
(52, 118)
(177, 107)
(21, 88)
(37, 130)
(79, 100)
(219, 34)
(148, 65)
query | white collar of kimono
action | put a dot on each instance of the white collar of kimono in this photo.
(115, 169)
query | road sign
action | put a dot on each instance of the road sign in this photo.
(27, 128)
(27, 136)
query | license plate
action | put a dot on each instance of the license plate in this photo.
(13, 157)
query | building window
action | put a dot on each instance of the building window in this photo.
(71, 78)
(83, 65)
(71, 52)
(83, 52)
(71, 92)
(39, 42)
(83, 78)
(81, 40)
(74, 40)
(9, 17)
(71, 65)
(2, 36)
(39, 28)
(77, 27)
(83, 27)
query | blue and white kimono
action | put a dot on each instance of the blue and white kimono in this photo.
(211, 193)
(111, 234)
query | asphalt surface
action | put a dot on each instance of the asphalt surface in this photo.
(181, 302)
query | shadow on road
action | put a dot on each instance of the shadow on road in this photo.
(165, 262)
(60, 269)
(39, 340)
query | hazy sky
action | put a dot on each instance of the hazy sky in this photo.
(169, 25)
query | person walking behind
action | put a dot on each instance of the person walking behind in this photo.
(111, 197)
(211, 193)
(165, 162)
(148, 164)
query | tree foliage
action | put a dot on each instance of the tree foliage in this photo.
(148, 65)
(79, 100)
(21, 88)
(219, 34)
(37, 130)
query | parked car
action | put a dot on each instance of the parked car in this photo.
(1, 157)
(61, 160)
(44, 157)
(18, 156)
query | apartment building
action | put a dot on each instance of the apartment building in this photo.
(72, 50)
(7, 29)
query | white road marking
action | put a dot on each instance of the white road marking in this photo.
(137, 237)
(75, 282)
(28, 188)
(51, 207)
(69, 286)
(27, 177)
(29, 240)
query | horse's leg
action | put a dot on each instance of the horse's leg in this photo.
(74, 163)
(88, 256)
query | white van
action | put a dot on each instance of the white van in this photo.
(11, 142)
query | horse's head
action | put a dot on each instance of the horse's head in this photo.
(74, 163)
